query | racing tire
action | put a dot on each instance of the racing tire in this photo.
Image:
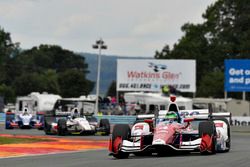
(7, 125)
(62, 127)
(228, 142)
(47, 127)
(208, 127)
(8, 120)
(106, 125)
(123, 131)
(42, 121)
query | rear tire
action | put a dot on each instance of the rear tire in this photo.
(123, 131)
(41, 121)
(106, 125)
(9, 118)
(62, 127)
(7, 125)
(208, 127)
(47, 127)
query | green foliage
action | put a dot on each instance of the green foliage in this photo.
(8, 49)
(14, 140)
(211, 85)
(224, 34)
(46, 68)
(27, 83)
(8, 93)
(35, 82)
(73, 84)
(50, 78)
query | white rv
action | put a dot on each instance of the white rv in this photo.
(149, 102)
(36, 102)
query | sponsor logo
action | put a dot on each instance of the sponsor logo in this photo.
(219, 124)
(138, 127)
(238, 122)
(157, 67)
(186, 113)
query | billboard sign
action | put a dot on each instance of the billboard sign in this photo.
(151, 75)
(237, 75)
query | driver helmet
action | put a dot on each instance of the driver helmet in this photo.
(25, 112)
(171, 116)
(75, 113)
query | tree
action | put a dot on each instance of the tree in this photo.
(8, 93)
(50, 78)
(212, 85)
(27, 83)
(225, 34)
(47, 63)
(41, 69)
(8, 49)
(73, 84)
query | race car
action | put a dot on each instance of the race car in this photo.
(24, 120)
(63, 120)
(173, 131)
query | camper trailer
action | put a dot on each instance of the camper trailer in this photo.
(235, 106)
(36, 102)
(147, 103)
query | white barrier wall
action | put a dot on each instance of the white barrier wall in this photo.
(240, 121)
(120, 119)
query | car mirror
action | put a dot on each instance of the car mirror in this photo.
(188, 119)
(149, 121)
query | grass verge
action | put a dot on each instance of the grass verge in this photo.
(13, 140)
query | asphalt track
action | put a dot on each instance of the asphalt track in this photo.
(239, 156)
(35, 132)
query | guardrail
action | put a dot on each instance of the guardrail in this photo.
(129, 119)
(118, 119)
(113, 119)
(2, 117)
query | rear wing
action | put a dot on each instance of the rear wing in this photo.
(146, 116)
(57, 113)
(196, 114)
(204, 114)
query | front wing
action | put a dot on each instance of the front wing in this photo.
(145, 143)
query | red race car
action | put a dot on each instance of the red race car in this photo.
(173, 130)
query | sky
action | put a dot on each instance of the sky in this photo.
(129, 28)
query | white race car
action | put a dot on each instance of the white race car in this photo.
(23, 120)
(74, 116)
(189, 131)
(79, 125)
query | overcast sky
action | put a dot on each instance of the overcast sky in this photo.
(128, 27)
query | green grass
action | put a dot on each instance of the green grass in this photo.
(13, 140)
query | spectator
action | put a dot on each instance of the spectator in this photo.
(113, 101)
(122, 103)
(106, 102)
(137, 108)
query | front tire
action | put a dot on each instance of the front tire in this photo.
(120, 131)
(47, 127)
(62, 127)
(208, 128)
(104, 123)
(8, 119)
